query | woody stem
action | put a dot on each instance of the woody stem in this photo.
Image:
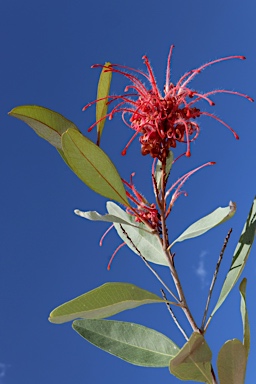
(169, 256)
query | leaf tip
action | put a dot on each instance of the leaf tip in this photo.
(232, 206)
(11, 112)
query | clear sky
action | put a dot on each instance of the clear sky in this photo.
(48, 254)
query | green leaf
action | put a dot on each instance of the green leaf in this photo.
(95, 216)
(131, 342)
(231, 362)
(193, 362)
(61, 153)
(217, 217)
(93, 166)
(47, 124)
(104, 301)
(147, 243)
(239, 259)
(158, 171)
(103, 92)
(244, 314)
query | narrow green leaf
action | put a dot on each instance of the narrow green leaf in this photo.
(95, 216)
(104, 301)
(147, 243)
(61, 153)
(131, 342)
(158, 171)
(193, 362)
(47, 124)
(103, 92)
(231, 362)
(244, 314)
(217, 217)
(93, 166)
(239, 259)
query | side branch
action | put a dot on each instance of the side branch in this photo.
(173, 315)
(214, 278)
(149, 266)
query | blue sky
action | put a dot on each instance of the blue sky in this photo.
(49, 255)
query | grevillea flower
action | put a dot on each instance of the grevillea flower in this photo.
(144, 211)
(149, 213)
(162, 120)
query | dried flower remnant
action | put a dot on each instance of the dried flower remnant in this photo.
(162, 120)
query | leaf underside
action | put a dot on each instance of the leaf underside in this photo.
(46, 123)
(231, 362)
(217, 217)
(135, 235)
(131, 342)
(244, 315)
(193, 362)
(240, 257)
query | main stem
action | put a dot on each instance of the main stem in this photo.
(170, 258)
(176, 279)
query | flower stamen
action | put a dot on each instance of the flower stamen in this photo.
(161, 121)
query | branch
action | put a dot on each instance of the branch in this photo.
(149, 266)
(214, 278)
(170, 257)
(173, 315)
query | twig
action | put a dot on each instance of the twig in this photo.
(173, 315)
(214, 380)
(148, 265)
(214, 278)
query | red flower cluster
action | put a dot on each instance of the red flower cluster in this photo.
(162, 120)
(144, 211)
(148, 213)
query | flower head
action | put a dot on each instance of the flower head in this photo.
(162, 120)
(144, 211)
(147, 213)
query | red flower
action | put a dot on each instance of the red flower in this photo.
(149, 213)
(179, 184)
(162, 120)
(144, 211)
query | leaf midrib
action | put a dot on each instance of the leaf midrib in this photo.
(98, 309)
(125, 203)
(125, 343)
